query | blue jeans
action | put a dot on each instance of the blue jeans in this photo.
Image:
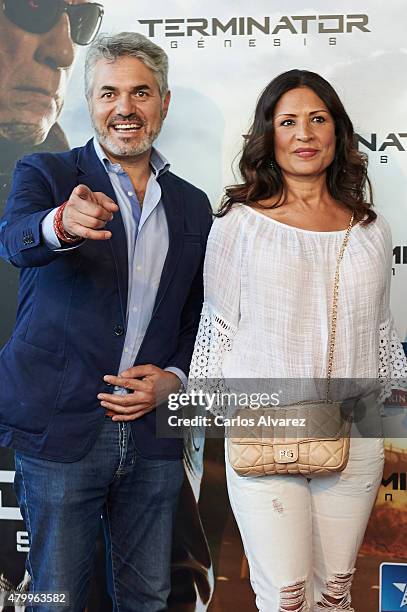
(62, 504)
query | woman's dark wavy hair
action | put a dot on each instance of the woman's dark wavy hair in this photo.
(347, 178)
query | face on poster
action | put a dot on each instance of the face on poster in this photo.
(37, 50)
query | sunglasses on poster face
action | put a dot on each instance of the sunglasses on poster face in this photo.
(40, 16)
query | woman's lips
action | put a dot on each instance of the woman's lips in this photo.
(306, 153)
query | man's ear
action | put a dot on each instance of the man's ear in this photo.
(166, 103)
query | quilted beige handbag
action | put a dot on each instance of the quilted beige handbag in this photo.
(321, 447)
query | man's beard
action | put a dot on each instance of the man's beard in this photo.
(127, 148)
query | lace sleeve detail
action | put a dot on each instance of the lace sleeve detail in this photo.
(392, 361)
(214, 338)
(213, 341)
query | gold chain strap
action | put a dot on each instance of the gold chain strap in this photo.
(335, 306)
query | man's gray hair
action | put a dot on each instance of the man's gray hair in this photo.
(127, 44)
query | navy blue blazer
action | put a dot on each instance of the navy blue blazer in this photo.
(71, 318)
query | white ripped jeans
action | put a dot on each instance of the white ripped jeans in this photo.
(301, 536)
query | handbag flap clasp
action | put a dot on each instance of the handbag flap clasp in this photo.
(285, 453)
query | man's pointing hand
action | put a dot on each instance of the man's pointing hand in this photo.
(87, 212)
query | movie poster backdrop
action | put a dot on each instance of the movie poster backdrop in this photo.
(221, 57)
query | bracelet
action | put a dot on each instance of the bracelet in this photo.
(59, 230)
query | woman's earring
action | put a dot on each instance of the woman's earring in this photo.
(272, 165)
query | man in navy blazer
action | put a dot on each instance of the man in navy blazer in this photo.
(110, 244)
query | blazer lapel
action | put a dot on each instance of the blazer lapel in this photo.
(93, 175)
(173, 202)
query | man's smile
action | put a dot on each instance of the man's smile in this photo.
(127, 127)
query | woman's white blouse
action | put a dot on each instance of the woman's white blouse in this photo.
(268, 301)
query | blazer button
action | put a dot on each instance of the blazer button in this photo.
(119, 330)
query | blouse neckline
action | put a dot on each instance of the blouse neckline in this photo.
(293, 227)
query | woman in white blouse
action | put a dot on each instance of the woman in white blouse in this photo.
(269, 272)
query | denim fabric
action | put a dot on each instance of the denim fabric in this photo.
(62, 504)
